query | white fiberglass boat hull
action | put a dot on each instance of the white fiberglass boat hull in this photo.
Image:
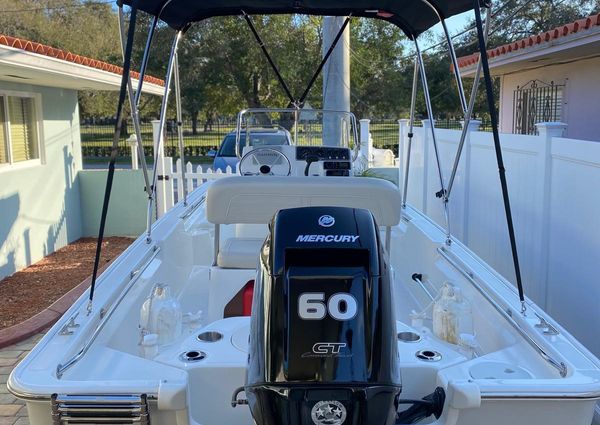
(514, 374)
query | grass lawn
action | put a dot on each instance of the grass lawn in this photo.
(383, 133)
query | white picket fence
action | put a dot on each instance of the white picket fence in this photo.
(170, 190)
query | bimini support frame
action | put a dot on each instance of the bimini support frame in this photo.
(442, 192)
(497, 147)
(161, 134)
(411, 126)
(183, 184)
(459, 84)
(134, 98)
(114, 150)
(469, 114)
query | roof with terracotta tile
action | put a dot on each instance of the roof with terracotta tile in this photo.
(545, 37)
(63, 55)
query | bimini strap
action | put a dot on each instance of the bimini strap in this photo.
(297, 103)
(324, 61)
(497, 147)
(115, 146)
(263, 47)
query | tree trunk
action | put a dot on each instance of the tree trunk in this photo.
(194, 123)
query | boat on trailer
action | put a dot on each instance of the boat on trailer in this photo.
(299, 293)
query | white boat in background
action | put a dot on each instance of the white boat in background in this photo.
(299, 293)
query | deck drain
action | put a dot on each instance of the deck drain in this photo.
(428, 355)
(210, 336)
(409, 337)
(192, 356)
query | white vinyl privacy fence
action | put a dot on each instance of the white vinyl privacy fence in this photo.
(554, 191)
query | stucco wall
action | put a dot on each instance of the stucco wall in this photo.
(581, 109)
(128, 203)
(39, 204)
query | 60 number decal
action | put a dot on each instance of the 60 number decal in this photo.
(341, 306)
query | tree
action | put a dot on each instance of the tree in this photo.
(84, 28)
(379, 85)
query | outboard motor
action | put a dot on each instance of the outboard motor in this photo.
(323, 333)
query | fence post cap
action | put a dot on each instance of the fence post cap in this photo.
(426, 122)
(551, 129)
(132, 140)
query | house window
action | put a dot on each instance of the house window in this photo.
(19, 136)
(536, 102)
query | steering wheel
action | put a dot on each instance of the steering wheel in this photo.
(265, 162)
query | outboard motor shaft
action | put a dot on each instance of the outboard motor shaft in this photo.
(322, 339)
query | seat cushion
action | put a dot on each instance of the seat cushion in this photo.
(256, 199)
(239, 253)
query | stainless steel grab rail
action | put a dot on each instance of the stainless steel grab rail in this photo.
(134, 276)
(560, 366)
(100, 409)
(193, 208)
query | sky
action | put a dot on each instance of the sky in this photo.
(455, 24)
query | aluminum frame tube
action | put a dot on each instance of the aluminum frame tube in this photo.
(461, 89)
(463, 134)
(133, 106)
(441, 194)
(180, 126)
(163, 113)
(413, 101)
(138, 93)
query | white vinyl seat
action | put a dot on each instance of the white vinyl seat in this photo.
(254, 200)
(239, 253)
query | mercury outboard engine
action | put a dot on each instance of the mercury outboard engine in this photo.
(323, 333)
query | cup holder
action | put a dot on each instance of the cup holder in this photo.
(210, 336)
(192, 356)
(428, 355)
(409, 337)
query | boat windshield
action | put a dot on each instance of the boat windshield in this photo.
(307, 127)
(262, 138)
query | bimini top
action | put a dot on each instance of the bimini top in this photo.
(412, 16)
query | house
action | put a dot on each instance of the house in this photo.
(40, 146)
(549, 77)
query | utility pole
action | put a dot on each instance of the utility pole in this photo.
(336, 79)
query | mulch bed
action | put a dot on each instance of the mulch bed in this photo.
(31, 290)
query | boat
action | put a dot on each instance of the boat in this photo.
(297, 292)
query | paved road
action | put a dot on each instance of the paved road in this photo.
(12, 410)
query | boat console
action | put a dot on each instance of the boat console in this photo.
(320, 143)
(285, 160)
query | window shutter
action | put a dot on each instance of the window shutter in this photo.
(3, 141)
(23, 134)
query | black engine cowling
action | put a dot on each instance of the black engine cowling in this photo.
(322, 339)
